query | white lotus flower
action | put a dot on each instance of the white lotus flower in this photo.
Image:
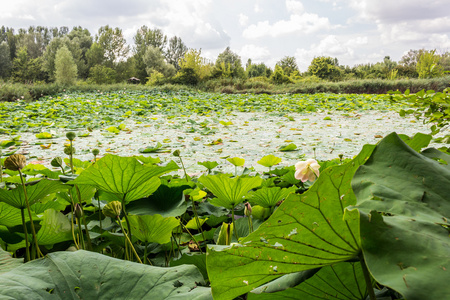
(307, 170)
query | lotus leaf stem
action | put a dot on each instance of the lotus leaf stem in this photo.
(27, 245)
(129, 241)
(367, 277)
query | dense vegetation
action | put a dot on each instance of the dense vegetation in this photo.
(372, 226)
(67, 57)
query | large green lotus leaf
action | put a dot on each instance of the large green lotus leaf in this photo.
(434, 153)
(165, 201)
(144, 190)
(55, 228)
(229, 191)
(340, 281)
(88, 275)
(153, 229)
(406, 248)
(306, 232)
(196, 259)
(35, 192)
(10, 216)
(86, 194)
(120, 175)
(418, 141)
(270, 196)
(7, 262)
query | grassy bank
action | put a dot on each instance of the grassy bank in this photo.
(13, 91)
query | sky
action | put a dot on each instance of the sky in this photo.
(353, 31)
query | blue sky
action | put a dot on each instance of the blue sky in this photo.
(354, 31)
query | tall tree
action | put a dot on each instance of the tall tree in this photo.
(155, 61)
(65, 67)
(193, 67)
(5, 60)
(113, 43)
(228, 63)
(26, 69)
(325, 67)
(288, 64)
(144, 38)
(175, 51)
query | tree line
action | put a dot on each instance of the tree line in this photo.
(52, 54)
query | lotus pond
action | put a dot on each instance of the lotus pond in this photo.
(132, 222)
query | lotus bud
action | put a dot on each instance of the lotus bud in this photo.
(95, 152)
(78, 211)
(15, 162)
(112, 209)
(69, 150)
(176, 153)
(248, 209)
(57, 162)
(71, 135)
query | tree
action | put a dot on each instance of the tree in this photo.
(102, 74)
(175, 51)
(325, 67)
(257, 70)
(227, 64)
(65, 67)
(95, 55)
(193, 68)
(154, 61)
(279, 77)
(288, 64)
(26, 69)
(113, 44)
(143, 39)
(428, 65)
(5, 60)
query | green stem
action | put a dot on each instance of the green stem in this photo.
(184, 169)
(71, 222)
(250, 224)
(80, 232)
(193, 238)
(126, 215)
(197, 220)
(33, 231)
(71, 157)
(129, 241)
(234, 226)
(367, 277)
(145, 252)
(84, 219)
(27, 245)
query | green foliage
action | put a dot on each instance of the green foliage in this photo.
(404, 216)
(154, 60)
(428, 65)
(433, 107)
(279, 77)
(228, 65)
(102, 75)
(5, 60)
(95, 276)
(193, 67)
(24, 68)
(288, 64)
(325, 68)
(65, 68)
(112, 43)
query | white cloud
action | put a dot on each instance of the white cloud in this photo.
(257, 8)
(305, 23)
(243, 19)
(295, 7)
(256, 53)
(328, 46)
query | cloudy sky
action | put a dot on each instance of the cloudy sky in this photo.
(354, 31)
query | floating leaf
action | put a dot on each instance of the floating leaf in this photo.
(290, 147)
(236, 161)
(44, 135)
(269, 161)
